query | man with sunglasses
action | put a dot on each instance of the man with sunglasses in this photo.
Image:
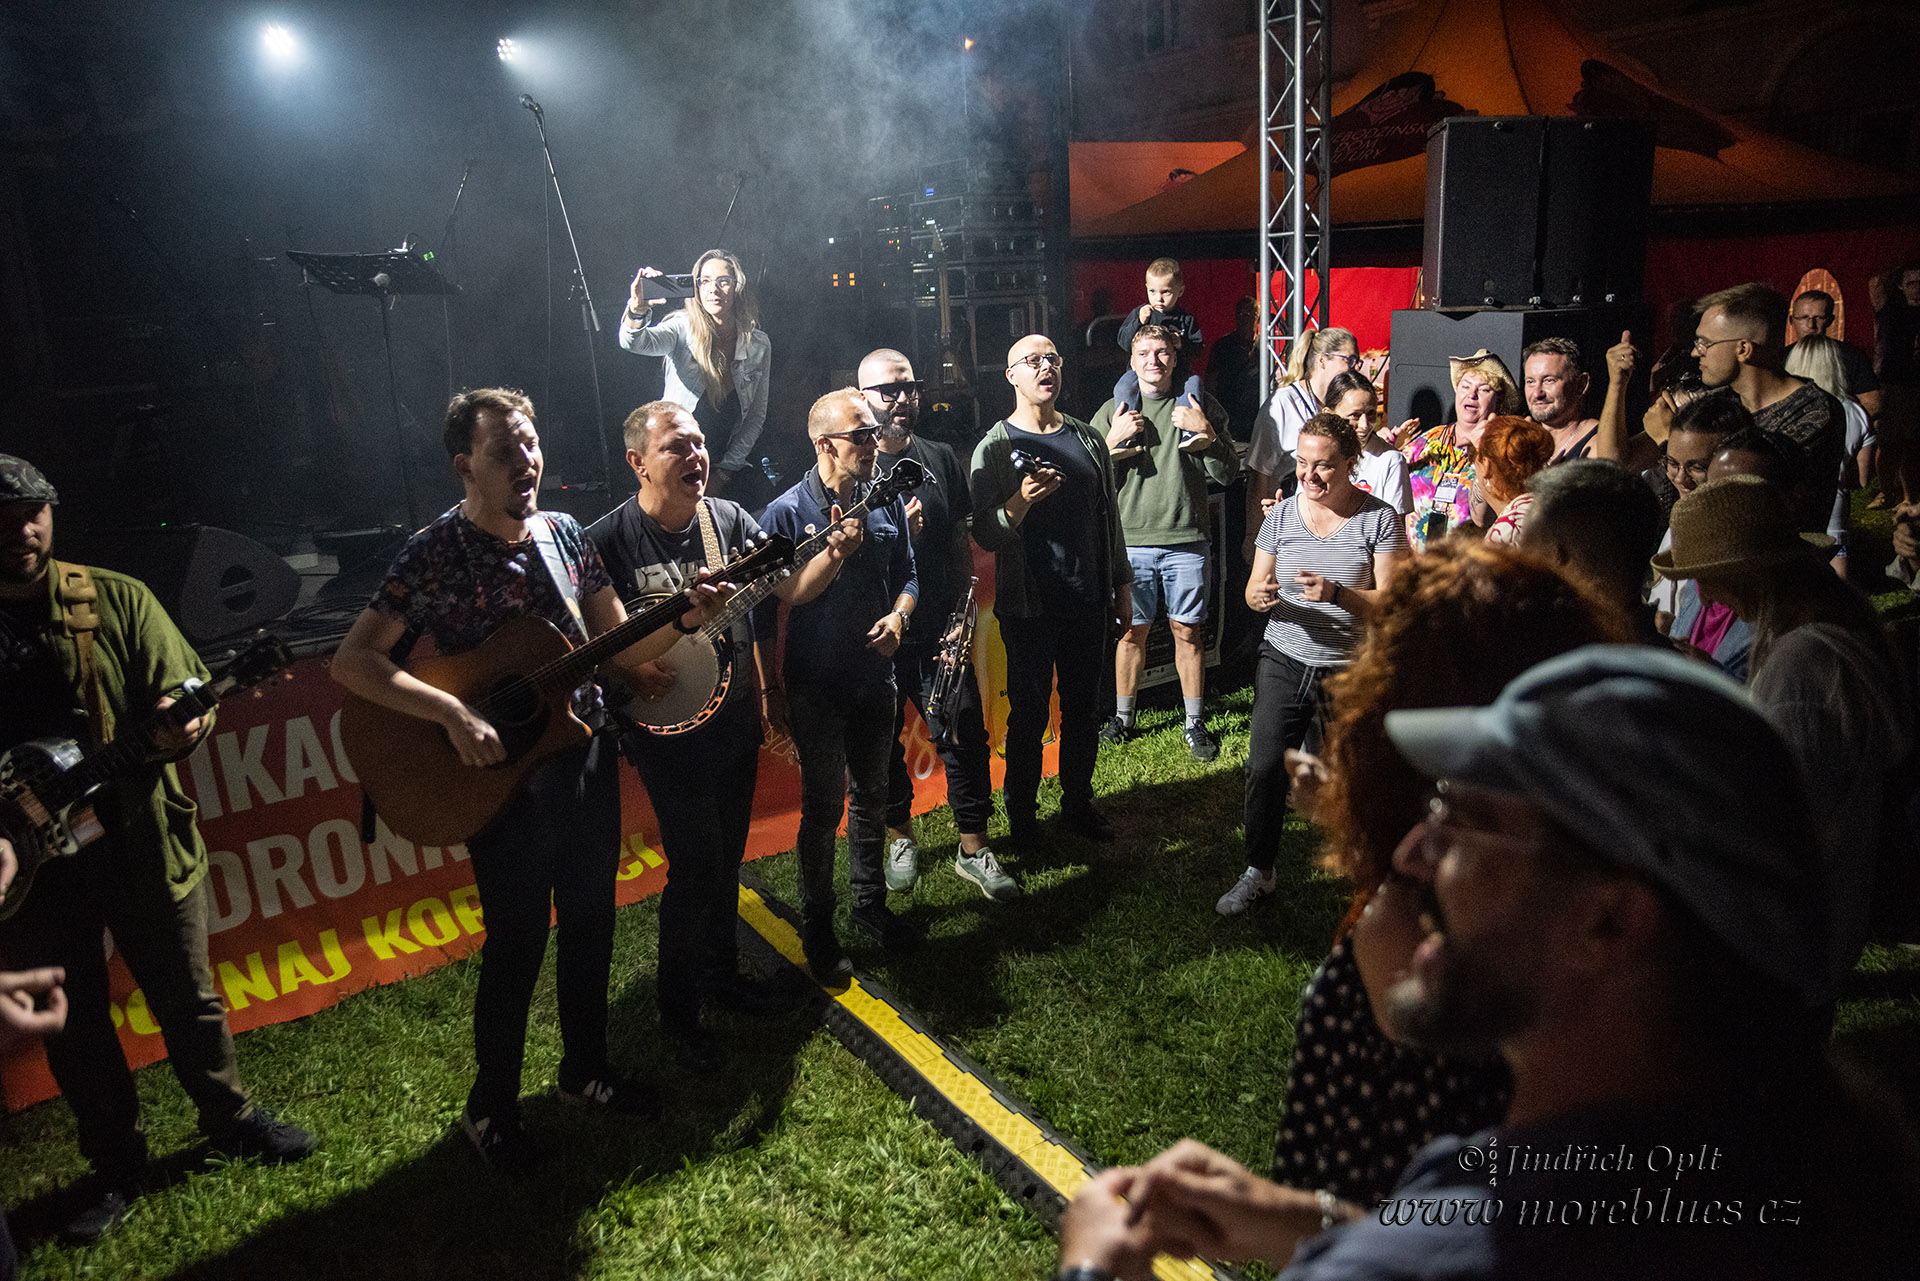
(835, 692)
(938, 516)
(1062, 584)
(1643, 946)
(1741, 343)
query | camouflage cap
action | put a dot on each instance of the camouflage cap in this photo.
(21, 482)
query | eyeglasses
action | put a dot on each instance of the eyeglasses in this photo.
(1701, 346)
(859, 436)
(1443, 815)
(1040, 360)
(1348, 357)
(890, 392)
(725, 284)
(1696, 468)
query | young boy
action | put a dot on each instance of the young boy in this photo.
(1161, 308)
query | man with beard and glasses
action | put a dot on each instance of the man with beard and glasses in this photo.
(939, 516)
(551, 854)
(1637, 944)
(87, 654)
(835, 694)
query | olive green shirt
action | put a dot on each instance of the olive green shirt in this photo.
(140, 656)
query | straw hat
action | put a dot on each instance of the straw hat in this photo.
(1734, 523)
(1482, 362)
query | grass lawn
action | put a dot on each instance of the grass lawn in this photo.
(1111, 997)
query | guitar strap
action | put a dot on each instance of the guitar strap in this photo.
(710, 537)
(81, 620)
(556, 568)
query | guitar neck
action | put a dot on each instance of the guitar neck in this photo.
(99, 766)
(574, 668)
(745, 598)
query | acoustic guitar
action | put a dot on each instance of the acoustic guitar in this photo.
(521, 680)
(47, 785)
(702, 664)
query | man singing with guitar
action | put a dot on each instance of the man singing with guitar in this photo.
(88, 654)
(836, 694)
(693, 717)
(491, 560)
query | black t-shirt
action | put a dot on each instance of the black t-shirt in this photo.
(1063, 531)
(944, 501)
(643, 558)
(36, 699)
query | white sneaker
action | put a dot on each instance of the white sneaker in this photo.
(1253, 884)
(903, 863)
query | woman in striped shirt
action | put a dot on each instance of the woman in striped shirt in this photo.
(1322, 559)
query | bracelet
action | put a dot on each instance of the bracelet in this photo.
(684, 630)
(1336, 595)
(1326, 1202)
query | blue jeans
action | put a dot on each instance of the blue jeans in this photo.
(844, 734)
(1174, 577)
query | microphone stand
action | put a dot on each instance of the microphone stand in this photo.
(449, 236)
(589, 318)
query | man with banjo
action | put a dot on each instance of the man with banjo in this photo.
(692, 718)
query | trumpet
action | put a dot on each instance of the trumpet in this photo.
(956, 646)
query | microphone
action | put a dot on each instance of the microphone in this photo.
(526, 100)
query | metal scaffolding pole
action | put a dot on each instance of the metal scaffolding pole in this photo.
(1296, 105)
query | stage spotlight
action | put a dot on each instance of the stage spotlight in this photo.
(280, 43)
(506, 49)
(967, 43)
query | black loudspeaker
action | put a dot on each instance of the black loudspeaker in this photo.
(1536, 211)
(1419, 384)
(212, 582)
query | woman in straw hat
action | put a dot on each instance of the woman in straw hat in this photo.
(1440, 461)
(1821, 671)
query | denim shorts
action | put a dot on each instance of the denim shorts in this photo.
(1175, 576)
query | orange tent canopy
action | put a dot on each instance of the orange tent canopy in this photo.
(1505, 58)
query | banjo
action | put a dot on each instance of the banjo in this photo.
(702, 663)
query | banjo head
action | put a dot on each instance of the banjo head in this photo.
(700, 680)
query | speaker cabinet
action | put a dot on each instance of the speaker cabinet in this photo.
(1536, 211)
(212, 582)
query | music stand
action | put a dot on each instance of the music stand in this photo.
(382, 276)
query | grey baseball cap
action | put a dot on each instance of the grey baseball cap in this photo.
(1664, 766)
(21, 482)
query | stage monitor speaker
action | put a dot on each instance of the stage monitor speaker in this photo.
(212, 582)
(1536, 211)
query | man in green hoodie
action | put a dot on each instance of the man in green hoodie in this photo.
(1163, 457)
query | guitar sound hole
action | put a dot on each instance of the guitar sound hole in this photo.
(517, 712)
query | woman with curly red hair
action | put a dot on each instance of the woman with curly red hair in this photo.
(1512, 449)
(1452, 629)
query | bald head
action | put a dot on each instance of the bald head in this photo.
(838, 411)
(1033, 367)
(886, 380)
(884, 365)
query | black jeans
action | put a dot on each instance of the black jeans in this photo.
(841, 732)
(556, 845)
(1075, 647)
(164, 943)
(963, 752)
(701, 786)
(1288, 703)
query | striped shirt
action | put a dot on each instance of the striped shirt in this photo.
(1321, 633)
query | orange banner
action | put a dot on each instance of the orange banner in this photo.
(306, 913)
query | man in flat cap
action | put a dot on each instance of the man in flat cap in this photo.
(88, 654)
(1619, 878)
